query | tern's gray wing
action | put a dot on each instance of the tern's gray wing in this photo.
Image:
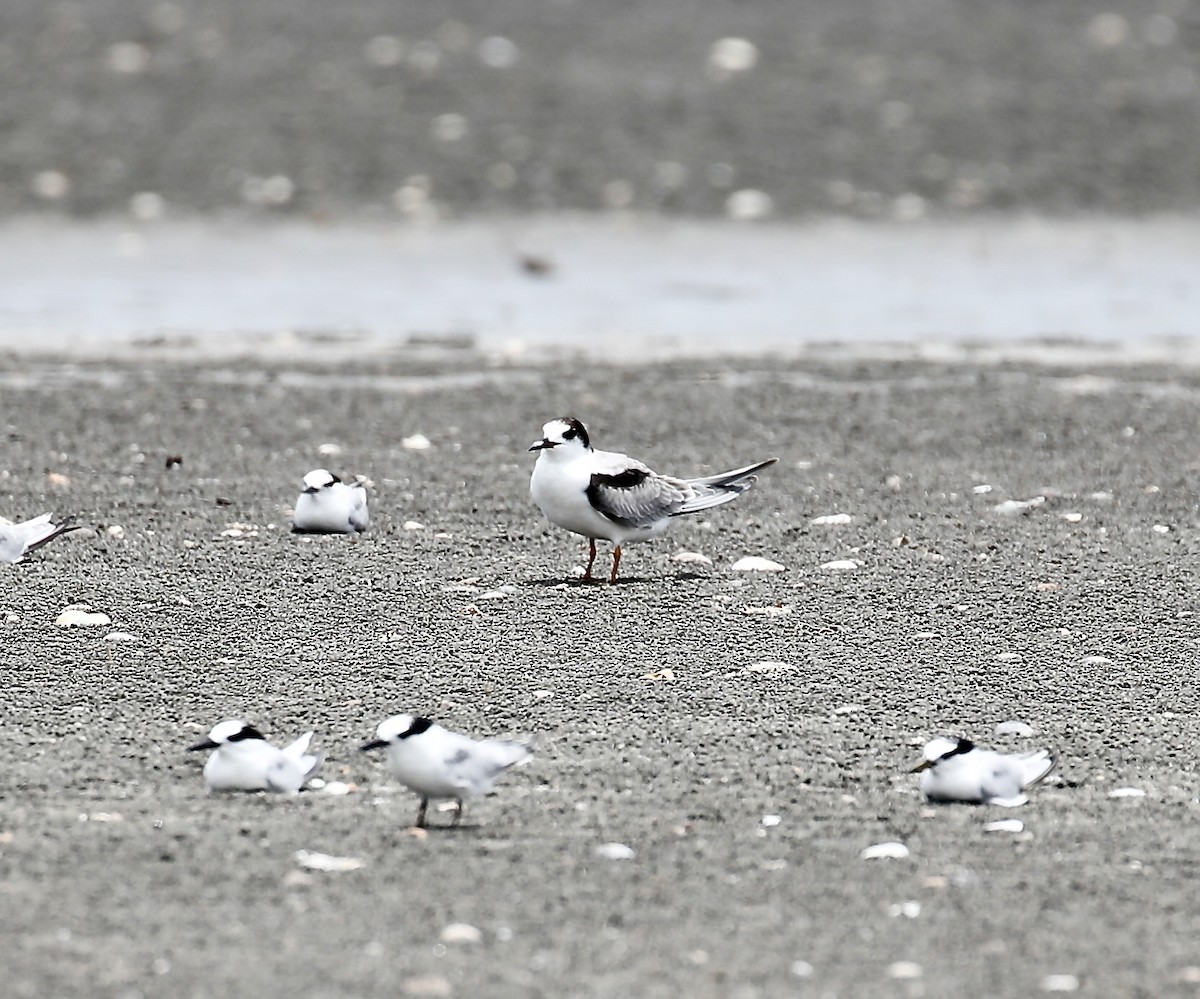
(636, 497)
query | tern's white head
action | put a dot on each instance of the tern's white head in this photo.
(232, 730)
(942, 748)
(397, 729)
(564, 436)
(319, 478)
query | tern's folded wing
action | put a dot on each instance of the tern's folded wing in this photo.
(636, 497)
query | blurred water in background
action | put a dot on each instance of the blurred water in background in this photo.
(372, 171)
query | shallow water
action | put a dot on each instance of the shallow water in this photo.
(623, 289)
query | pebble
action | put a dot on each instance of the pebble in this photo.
(461, 933)
(120, 636)
(774, 610)
(885, 851)
(1005, 826)
(428, 985)
(841, 564)
(904, 969)
(1127, 792)
(329, 450)
(1095, 661)
(77, 617)
(802, 969)
(325, 862)
(909, 910)
(338, 788)
(1072, 518)
(417, 442)
(413, 525)
(771, 820)
(981, 489)
(756, 563)
(769, 666)
(615, 851)
(116, 532)
(831, 519)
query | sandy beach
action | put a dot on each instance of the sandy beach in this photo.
(747, 792)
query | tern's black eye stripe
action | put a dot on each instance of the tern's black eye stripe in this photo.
(418, 726)
(964, 746)
(571, 434)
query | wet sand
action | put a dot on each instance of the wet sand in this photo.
(122, 877)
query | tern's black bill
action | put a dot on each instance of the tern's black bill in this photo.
(373, 744)
(206, 744)
(540, 445)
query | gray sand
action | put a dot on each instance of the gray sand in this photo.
(122, 877)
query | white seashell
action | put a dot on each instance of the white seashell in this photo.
(12, 617)
(981, 489)
(615, 851)
(116, 532)
(493, 595)
(1127, 792)
(324, 862)
(885, 851)
(541, 695)
(1018, 728)
(120, 636)
(329, 450)
(767, 666)
(771, 820)
(1072, 518)
(1161, 529)
(775, 610)
(417, 442)
(1004, 825)
(316, 784)
(413, 525)
(1007, 657)
(461, 933)
(1010, 508)
(76, 618)
(691, 557)
(831, 519)
(842, 564)
(755, 563)
(337, 788)
(904, 969)
(1095, 661)
(802, 969)
(1060, 983)
(909, 910)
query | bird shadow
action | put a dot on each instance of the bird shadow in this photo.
(583, 584)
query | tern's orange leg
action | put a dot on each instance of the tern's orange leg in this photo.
(591, 558)
(616, 562)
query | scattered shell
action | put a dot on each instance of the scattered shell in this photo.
(1095, 661)
(417, 442)
(56, 480)
(1060, 983)
(1161, 529)
(909, 910)
(116, 532)
(885, 851)
(339, 788)
(100, 817)
(802, 969)
(120, 636)
(74, 617)
(691, 557)
(330, 450)
(1018, 728)
(1072, 518)
(981, 489)
(615, 851)
(413, 525)
(493, 595)
(904, 969)
(325, 862)
(661, 674)
(842, 564)
(756, 563)
(1005, 826)
(1127, 792)
(1010, 508)
(768, 666)
(771, 820)
(830, 519)
(774, 610)
(461, 933)
(428, 985)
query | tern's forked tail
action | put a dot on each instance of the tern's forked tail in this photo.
(713, 490)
